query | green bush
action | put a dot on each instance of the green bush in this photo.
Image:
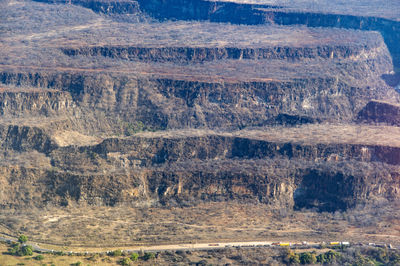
(321, 258)
(307, 258)
(125, 261)
(289, 256)
(364, 261)
(59, 253)
(133, 128)
(13, 251)
(116, 253)
(328, 257)
(379, 254)
(294, 259)
(149, 256)
(26, 251)
(39, 257)
(22, 239)
(134, 256)
(18, 250)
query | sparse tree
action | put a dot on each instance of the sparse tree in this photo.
(307, 258)
(125, 261)
(39, 257)
(22, 239)
(134, 256)
(26, 251)
(116, 253)
(149, 256)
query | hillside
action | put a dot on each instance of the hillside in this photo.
(179, 109)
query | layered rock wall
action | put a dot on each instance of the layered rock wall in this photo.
(161, 103)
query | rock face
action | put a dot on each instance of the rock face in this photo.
(201, 54)
(161, 103)
(380, 112)
(183, 170)
(243, 13)
(143, 119)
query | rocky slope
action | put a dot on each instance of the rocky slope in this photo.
(160, 103)
(380, 112)
(119, 111)
(386, 21)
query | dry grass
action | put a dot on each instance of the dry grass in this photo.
(373, 8)
(33, 42)
(24, 159)
(60, 25)
(7, 260)
(67, 138)
(306, 134)
(103, 228)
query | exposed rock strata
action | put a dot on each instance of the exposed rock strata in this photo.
(87, 114)
(380, 112)
(161, 103)
(201, 54)
(239, 13)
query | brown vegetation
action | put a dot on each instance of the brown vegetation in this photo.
(125, 130)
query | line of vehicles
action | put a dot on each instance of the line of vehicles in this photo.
(303, 244)
(299, 245)
(279, 244)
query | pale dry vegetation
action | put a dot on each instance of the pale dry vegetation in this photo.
(35, 42)
(389, 9)
(101, 228)
(323, 133)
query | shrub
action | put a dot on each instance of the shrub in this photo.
(134, 256)
(116, 253)
(307, 258)
(379, 254)
(328, 257)
(125, 261)
(13, 250)
(149, 256)
(294, 259)
(289, 256)
(321, 258)
(133, 128)
(26, 251)
(22, 239)
(39, 257)
(364, 261)
(18, 250)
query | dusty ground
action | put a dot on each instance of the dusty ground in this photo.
(102, 228)
(308, 134)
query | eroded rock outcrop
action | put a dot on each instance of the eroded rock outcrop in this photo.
(161, 103)
(380, 112)
(145, 124)
(201, 54)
